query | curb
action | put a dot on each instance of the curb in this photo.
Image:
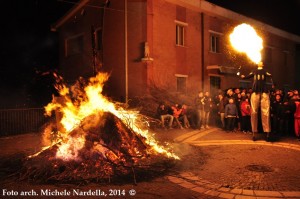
(199, 185)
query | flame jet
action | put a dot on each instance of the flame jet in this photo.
(244, 39)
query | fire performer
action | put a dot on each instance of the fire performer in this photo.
(260, 98)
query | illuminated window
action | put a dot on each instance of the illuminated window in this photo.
(74, 45)
(214, 43)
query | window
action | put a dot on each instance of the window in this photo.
(181, 83)
(285, 58)
(245, 84)
(215, 84)
(180, 32)
(267, 55)
(74, 45)
(214, 43)
(179, 35)
(99, 44)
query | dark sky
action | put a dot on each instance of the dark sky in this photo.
(26, 36)
(283, 14)
(27, 47)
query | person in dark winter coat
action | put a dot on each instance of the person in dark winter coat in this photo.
(199, 103)
(276, 114)
(221, 109)
(207, 106)
(231, 113)
(288, 110)
(163, 113)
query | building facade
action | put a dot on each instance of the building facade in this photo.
(181, 46)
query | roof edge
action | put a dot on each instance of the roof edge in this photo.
(204, 6)
(68, 15)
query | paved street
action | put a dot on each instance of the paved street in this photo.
(237, 167)
(214, 164)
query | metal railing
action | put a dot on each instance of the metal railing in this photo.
(20, 121)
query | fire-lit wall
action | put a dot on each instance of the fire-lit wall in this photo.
(171, 60)
(79, 25)
(112, 22)
(137, 36)
(114, 48)
(154, 21)
(281, 63)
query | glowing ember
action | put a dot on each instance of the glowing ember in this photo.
(245, 39)
(91, 102)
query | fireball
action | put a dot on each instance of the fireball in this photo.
(244, 39)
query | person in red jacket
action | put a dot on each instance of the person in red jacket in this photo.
(246, 113)
(177, 109)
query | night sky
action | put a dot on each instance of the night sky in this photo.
(283, 14)
(29, 48)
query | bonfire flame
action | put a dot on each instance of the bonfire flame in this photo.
(89, 101)
(245, 39)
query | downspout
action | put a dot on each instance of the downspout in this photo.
(202, 50)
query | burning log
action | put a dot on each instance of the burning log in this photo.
(110, 149)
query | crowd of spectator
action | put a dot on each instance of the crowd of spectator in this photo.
(177, 113)
(231, 111)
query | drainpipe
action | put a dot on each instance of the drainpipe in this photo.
(202, 50)
(126, 54)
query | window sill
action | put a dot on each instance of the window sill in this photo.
(181, 46)
(215, 52)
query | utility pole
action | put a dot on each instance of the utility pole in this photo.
(126, 53)
(94, 53)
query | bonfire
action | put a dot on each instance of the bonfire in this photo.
(94, 139)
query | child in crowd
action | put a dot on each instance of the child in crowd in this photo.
(245, 115)
(231, 113)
